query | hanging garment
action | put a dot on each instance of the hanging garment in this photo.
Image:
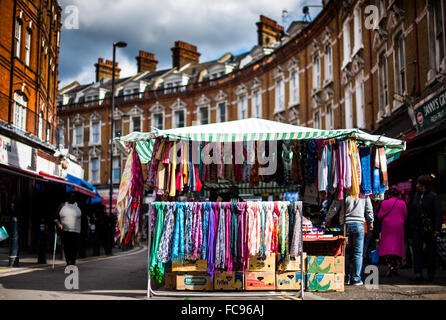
(312, 161)
(234, 234)
(185, 164)
(366, 184)
(173, 173)
(354, 191)
(206, 209)
(296, 243)
(122, 203)
(241, 250)
(211, 242)
(197, 231)
(297, 173)
(220, 167)
(228, 232)
(334, 166)
(198, 184)
(283, 229)
(254, 178)
(220, 241)
(155, 266)
(262, 229)
(253, 212)
(269, 227)
(168, 165)
(329, 179)
(287, 161)
(153, 164)
(383, 167)
(165, 246)
(178, 240)
(340, 164)
(188, 245)
(348, 165)
(275, 234)
(290, 222)
(323, 170)
(280, 171)
(179, 176)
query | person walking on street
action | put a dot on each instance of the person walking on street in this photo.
(69, 221)
(354, 213)
(392, 214)
(425, 225)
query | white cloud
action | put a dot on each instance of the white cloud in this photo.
(154, 26)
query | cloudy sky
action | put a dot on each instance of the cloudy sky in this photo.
(215, 27)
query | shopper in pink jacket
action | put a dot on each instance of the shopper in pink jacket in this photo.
(393, 213)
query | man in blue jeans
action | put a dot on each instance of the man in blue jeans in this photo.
(353, 212)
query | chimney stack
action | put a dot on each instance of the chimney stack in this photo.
(104, 70)
(184, 53)
(146, 61)
(268, 31)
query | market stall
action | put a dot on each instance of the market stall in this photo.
(274, 184)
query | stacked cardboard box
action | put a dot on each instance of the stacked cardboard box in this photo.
(190, 266)
(325, 273)
(288, 274)
(194, 281)
(234, 281)
(261, 273)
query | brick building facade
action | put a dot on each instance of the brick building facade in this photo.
(341, 70)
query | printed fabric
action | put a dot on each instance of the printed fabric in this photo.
(253, 211)
(178, 240)
(269, 226)
(206, 209)
(242, 256)
(220, 241)
(165, 246)
(211, 242)
(188, 229)
(155, 266)
(197, 231)
(228, 232)
(296, 243)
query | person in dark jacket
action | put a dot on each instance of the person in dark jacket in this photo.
(424, 225)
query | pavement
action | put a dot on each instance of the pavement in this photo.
(123, 276)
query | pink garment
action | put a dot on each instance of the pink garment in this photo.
(392, 232)
(228, 255)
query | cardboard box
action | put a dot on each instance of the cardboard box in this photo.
(325, 282)
(256, 280)
(293, 264)
(339, 264)
(289, 280)
(320, 264)
(256, 263)
(170, 280)
(229, 281)
(197, 282)
(190, 266)
(320, 282)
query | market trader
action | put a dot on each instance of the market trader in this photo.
(355, 213)
(70, 224)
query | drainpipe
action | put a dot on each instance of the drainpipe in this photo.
(340, 75)
(11, 77)
(371, 81)
(416, 64)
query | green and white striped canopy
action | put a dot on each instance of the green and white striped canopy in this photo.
(252, 129)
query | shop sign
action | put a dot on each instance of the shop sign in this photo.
(431, 112)
(48, 167)
(16, 154)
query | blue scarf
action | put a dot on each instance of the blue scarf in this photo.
(178, 240)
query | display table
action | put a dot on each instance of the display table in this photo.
(333, 246)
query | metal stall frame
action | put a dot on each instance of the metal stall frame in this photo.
(151, 292)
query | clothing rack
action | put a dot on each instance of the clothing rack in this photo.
(151, 292)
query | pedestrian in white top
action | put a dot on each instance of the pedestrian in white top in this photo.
(70, 224)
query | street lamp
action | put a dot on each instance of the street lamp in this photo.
(119, 44)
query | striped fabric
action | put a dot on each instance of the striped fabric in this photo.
(251, 130)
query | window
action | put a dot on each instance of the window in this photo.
(116, 169)
(328, 63)
(136, 124)
(346, 39)
(329, 120)
(348, 110)
(96, 132)
(256, 110)
(47, 139)
(357, 30)
(117, 132)
(400, 64)
(204, 115)
(158, 121)
(294, 88)
(316, 73)
(280, 96)
(40, 127)
(243, 107)
(438, 27)
(20, 110)
(360, 107)
(78, 135)
(317, 120)
(27, 47)
(60, 138)
(94, 170)
(383, 89)
(18, 37)
(221, 110)
(179, 119)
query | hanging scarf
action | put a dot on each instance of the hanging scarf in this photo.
(197, 231)
(340, 164)
(234, 230)
(178, 240)
(275, 236)
(228, 232)
(242, 255)
(206, 209)
(269, 226)
(262, 229)
(153, 164)
(366, 178)
(188, 245)
(173, 168)
(220, 242)
(354, 191)
(253, 211)
(155, 266)
(291, 222)
(165, 246)
(211, 241)
(296, 243)
(124, 195)
(283, 228)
